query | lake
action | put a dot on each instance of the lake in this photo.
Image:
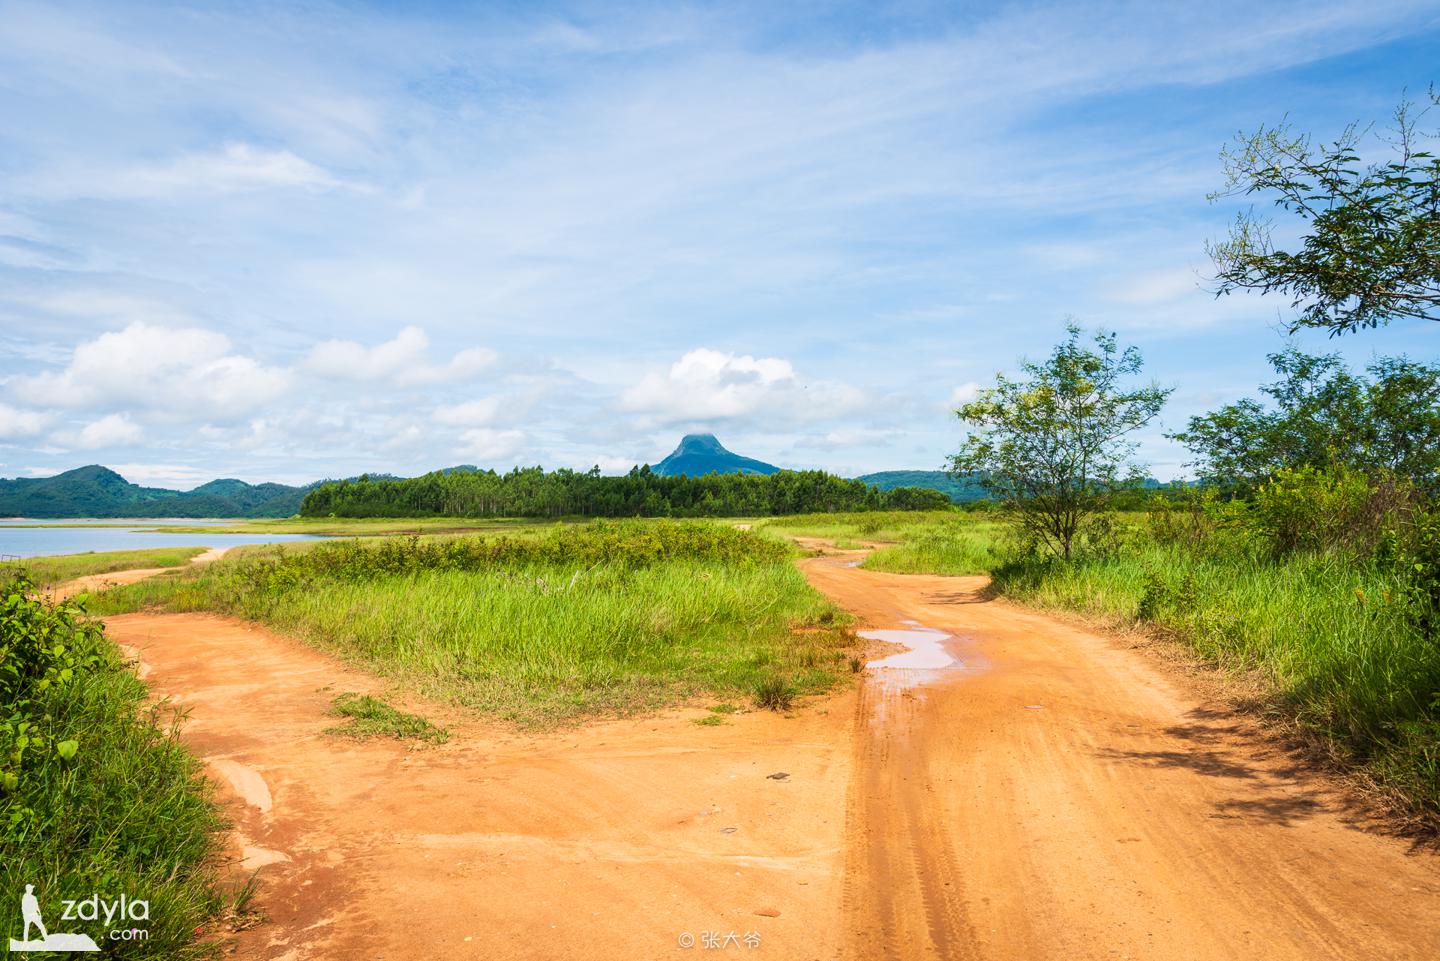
(25, 541)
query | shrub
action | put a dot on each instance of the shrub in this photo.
(99, 795)
(1309, 509)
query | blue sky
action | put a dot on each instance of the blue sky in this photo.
(282, 242)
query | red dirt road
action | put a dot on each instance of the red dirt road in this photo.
(1061, 797)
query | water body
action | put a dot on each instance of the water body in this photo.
(125, 535)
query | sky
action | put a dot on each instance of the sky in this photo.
(293, 241)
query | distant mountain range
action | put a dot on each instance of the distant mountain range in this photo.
(96, 491)
(701, 454)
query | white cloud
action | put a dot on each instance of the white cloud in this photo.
(849, 437)
(112, 430)
(189, 372)
(486, 444)
(16, 422)
(964, 393)
(235, 167)
(1158, 286)
(403, 361)
(173, 476)
(472, 413)
(709, 385)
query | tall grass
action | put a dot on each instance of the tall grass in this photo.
(1330, 637)
(100, 798)
(602, 619)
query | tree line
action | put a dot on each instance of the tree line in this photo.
(535, 492)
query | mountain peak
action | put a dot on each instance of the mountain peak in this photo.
(700, 444)
(701, 454)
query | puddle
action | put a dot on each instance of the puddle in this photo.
(930, 656)
(926, 650)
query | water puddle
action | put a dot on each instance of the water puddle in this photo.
(926, 652)
(930, 656)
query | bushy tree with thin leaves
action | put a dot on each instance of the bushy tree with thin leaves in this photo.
(1371, 246)
(1054, 444)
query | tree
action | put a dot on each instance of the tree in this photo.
(1371, 251)
(1321, 415)
(1053, 445)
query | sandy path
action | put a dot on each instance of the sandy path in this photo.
(607, 842)
(1062, 798)
(99, 582)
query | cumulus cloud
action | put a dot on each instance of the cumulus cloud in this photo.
(403, 361)
(186, 370)
(964, 393)
(710, 385)
(472, 413)
(174, 476)
(16, 422)
(487, 444)
(112, 430)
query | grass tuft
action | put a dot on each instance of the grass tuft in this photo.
(371, 717)
(775, 693)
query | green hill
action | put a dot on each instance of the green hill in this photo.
(96, 491)
(961, 490)
(701, 454)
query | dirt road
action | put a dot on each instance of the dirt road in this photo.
(1054, 796)
(1051, 795)
(613, 841)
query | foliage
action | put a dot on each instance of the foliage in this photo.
(100, 797)
(1308, 509)
(1372, 247)
(1322, 415)
(532, 492)
(1052, 446)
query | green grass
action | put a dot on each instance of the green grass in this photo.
(1327, 636)
(103, 798)
(914, 542)
(608, 618)
(369, 716)
(47, 571)
(954, 547)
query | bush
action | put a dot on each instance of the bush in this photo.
(1309, 509)
(99, 796)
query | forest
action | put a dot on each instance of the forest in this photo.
(534, 492)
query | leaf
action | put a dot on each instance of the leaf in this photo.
(67, 749)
